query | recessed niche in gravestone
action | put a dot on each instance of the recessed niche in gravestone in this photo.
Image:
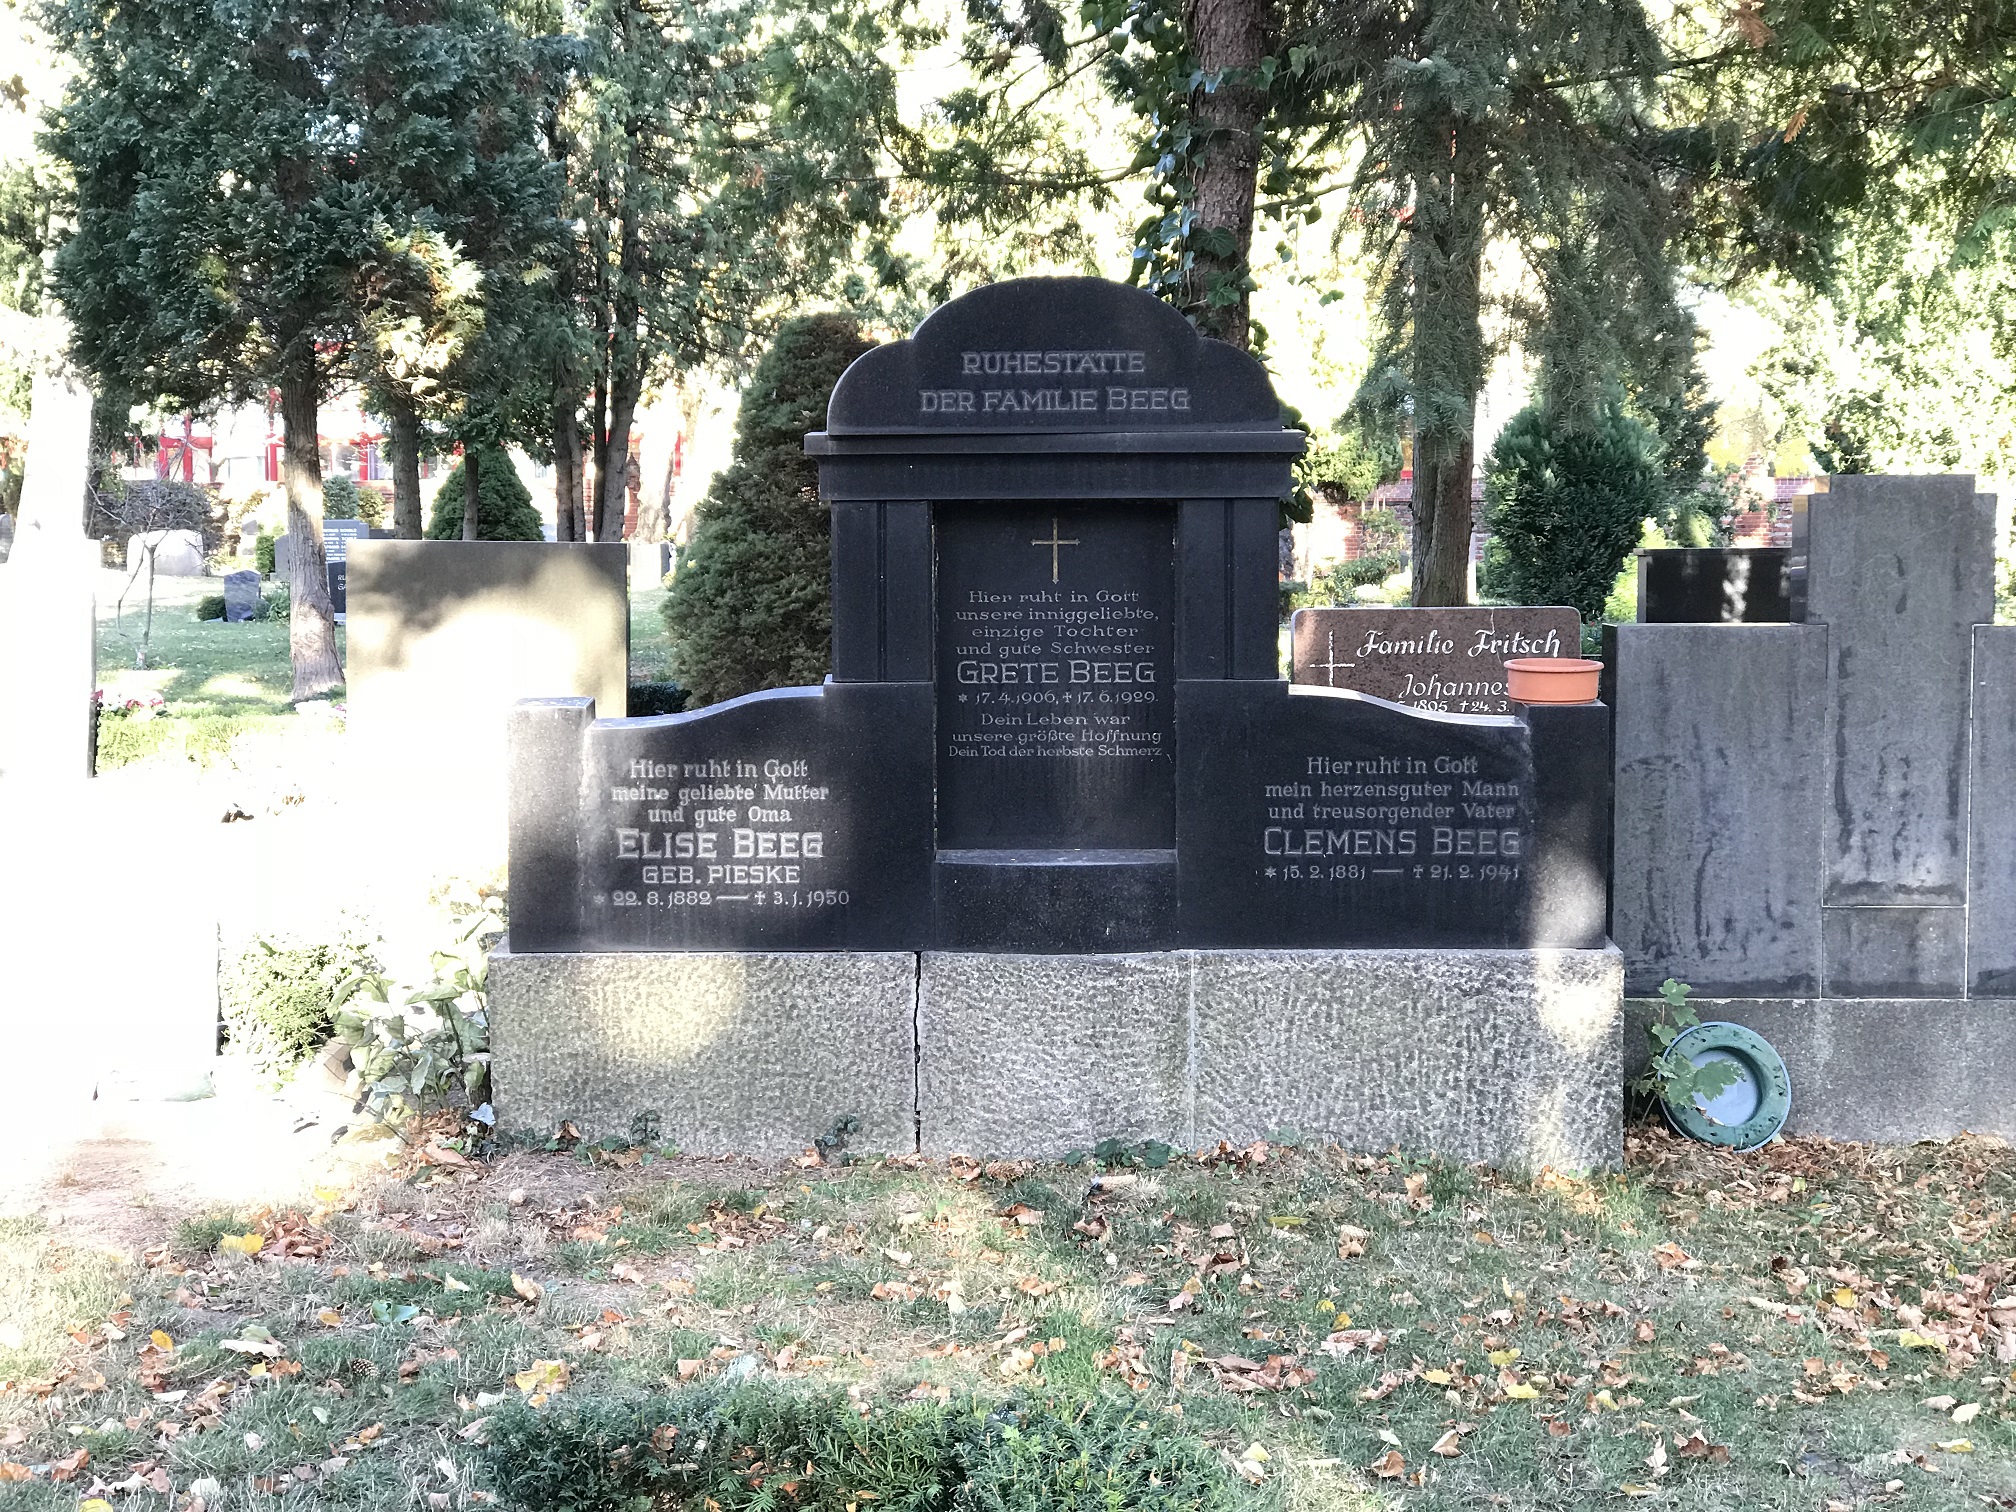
(1056, 656)
(1448, 661)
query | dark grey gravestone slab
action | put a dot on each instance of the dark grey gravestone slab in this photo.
(1056, 663)
(1319, 818)
(1876, 952)
(1721, 788)
(1053, 355)
(1448, 660)
(241, 596)
(339, 587)
(1900, 570)
(1991, 891)
(1720, 585)
(338, 534)
(796, 819)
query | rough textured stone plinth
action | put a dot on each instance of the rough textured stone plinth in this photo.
(1877, 1068)
(1506, 1056)
(741, 1053)
(1040, 1055)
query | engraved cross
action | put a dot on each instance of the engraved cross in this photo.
(1334, 666)
(1056, 540)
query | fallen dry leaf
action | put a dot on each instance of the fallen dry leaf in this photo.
(1391, 1465)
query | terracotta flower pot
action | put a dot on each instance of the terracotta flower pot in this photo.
(1552, 679)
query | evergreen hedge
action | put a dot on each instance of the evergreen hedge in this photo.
(504, 509)
(750, 606)
(765, 1447)
(1566, 506)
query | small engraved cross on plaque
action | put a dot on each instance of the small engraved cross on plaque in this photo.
(1056, 540)
(1332, 666)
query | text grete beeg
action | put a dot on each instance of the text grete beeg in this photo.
(1438, 819)
(1057, 672)
(1091, 382)
(723, 831)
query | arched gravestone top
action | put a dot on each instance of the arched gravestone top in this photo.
(1049, 355)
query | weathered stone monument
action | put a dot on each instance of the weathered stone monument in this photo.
(1814, 823)
(1449, 660)
(1055, 854)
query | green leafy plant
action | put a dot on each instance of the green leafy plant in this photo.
(210, 607)
(263, 554)
(432, 1048)
(276, 603)
(278, 997)
(1674, 1079)
(1114, 1153)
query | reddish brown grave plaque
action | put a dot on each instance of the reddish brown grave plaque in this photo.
(1449, 660)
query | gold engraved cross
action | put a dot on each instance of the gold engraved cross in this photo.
(1056, 540)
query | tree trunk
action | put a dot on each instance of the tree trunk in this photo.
(1228, 38)
(570, 510)
(408, 523)
(311, 624)
(472, 519)
(1443, 520)
(1446, 250)
(612, 475)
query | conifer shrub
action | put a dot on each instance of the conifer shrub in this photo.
(263, 554)
(750, 606)
(734, 1450)
(279, 998)
(1566, 505)
(504, 509)
(339, 498)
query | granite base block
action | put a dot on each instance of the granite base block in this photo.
(1505, 1056)
(1044, 1054)
(1883, 1069)
(735, 1053)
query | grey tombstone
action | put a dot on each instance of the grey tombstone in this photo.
(1813, 828)
(241, 596)
(1451, 661)
(174, 553)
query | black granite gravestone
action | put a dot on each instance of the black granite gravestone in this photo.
(1056, 721)
(1714, 585)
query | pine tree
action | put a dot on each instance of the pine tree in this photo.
(503, 505)
(1567, 503)
(751, 606)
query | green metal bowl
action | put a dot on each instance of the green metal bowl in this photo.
(1751, 1109)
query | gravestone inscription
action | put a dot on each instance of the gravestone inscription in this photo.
(1056, 691)
(1450, 661)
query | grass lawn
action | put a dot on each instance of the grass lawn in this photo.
(220, 681)
(216, 681)
(1810, 1327)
